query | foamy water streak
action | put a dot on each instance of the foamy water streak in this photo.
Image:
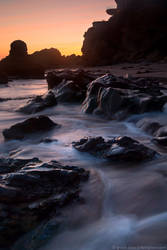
(97, 224)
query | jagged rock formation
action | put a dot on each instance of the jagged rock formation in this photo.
(32, 192)
(136, 30)
(20, 64)
(118, 149)
(118, 97)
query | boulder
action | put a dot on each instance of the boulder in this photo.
(162, 141)
(79, 77)
(161, 136)
(39, 103)
(29, 126)
(67, 91)
(162, 131)
(69, 86)
(117, 97)
(12, 165)
(150, 126)
(34, 193)
(117, 149)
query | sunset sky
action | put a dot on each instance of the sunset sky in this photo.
(49, 23)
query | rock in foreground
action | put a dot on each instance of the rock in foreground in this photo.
(117, 149)
(117, 97)
(33, 193)
(39, 103)
(69, 86)
(29, 126)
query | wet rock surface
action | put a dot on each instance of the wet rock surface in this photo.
(79, 77)
(117, 149)
(149, 126)
(69, 86)
(32, 192)
(117, 97)
(39, 103)
(161, 136)
(29, 126)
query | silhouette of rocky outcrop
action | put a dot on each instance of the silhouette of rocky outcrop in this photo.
(19, 64)
(48, 58)
(136, 30)
(18, 48)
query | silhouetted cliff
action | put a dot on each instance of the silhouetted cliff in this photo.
(136, 30)
(22, 65)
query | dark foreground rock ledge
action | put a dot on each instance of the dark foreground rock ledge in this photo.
(32, 192)
(70, 86)
(117, 149)
(118, 97)
(39, 103)
(28, 127)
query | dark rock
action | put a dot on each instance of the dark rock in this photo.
(29, 126)
(39, 103)
(131, 34)
(35, 193)
(161, 136)
(47, 58)
(117, 97)
(118, 149)
(48, 140)
(67, 91)
(3, 78)
(18, 48)
(161, 140)
(162, 132)
(69, 86)
(12, 165)
(79, 77)
(148, 125)
(18, 64)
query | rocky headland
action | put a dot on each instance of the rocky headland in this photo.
(135, 31)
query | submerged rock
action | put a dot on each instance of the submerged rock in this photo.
(117, 149)
(29, 126)
(117, 97)
(33, 193)
(161, 136)
(39, 103)
(162, 141)
(148, 125)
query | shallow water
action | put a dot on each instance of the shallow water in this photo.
(123, 206)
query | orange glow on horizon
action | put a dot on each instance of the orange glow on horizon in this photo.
(49, 24)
